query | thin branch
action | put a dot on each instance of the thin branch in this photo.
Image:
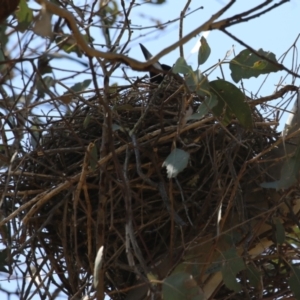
(280, 66)
(115, 57)
(182, 14)
(276, 95)
(147, 66)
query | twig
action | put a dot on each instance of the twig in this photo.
(183, 201)
(182, 14)
(115, 57)
(276, 95)
(160, 186)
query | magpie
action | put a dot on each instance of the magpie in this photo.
(155, 77)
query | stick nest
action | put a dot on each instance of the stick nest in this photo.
(92, 181)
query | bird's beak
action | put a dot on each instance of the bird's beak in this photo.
(148, 55)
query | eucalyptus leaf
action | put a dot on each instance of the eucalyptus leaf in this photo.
(247, 64)
(181, 286)
(294, 282)
(279, 231)
(24, 15)
(176, 162)
(204, 51)
(205, 107)
(254, 275)
(182, 67)
(198, 83)
(232, 265)
(234, 99)
(289, 173)
(81, 86)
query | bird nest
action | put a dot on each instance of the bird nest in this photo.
(97, 179)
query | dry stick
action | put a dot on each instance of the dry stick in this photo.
(106, 147)
(278, 142)
(128, 209)
(147, 66)
(154, 134)
(66, 245)
(55, 263)
(129, 230)
(127, 24)
(182, 14)
(40, 200)
(38, 231)
(44, 197)
(8, 177)
(89, 214)
(276, 95)
(35, 278)
(184, 202)
(47, 195)
(77, 192)
(143, 116)
(160, 186)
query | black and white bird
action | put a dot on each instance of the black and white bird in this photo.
(155, 77)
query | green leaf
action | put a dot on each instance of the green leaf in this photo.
(3, 36)
(253, 275)
(235, 100)
(86, 121)
(181, 286)
(43, 85)
(280, 232)
(294, 282)
(3, 260)
(44, 66)
(289, 173)
(204, 51)
(24, 15)
(247, 64)
(182, 67)
(116, 127)
(4, 160)
(81, 86)
(69, 44)
(176, 162)
(205, 107)
(198, 83)
(231, 267)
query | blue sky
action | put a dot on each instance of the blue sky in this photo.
(274, 31)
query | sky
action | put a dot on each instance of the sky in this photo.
(275, 31)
